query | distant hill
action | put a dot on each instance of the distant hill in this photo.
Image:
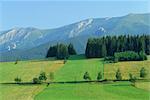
(33, 43)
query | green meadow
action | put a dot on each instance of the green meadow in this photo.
(75, 68)
(93, 91)
(72, 70)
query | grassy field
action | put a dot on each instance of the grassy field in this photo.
(19, 92)
(73, 70)
(93, 91)
(26, 70)
(132, 67)
(143, 85)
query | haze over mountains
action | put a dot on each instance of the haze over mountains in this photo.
(33, 43)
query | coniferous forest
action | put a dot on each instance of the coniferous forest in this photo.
(108, 45)
(61, 51)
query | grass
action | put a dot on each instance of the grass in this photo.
(93, 91)
(26, 70)
(132, 67)
(19, 92)
(75, 68)
(143, 85)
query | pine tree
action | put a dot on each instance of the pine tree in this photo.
(118, 75)
(86, 76)
(143, 72)
(104, 50)
(62, 51)
(71, 50)
(52, 51)
(99, 76)
(111, 44)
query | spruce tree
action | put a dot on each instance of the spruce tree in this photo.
(71, 50)
(118, 75)
(62, 51)
(99, 76)
(104, 50)
(86, 76)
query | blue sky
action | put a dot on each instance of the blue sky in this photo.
(53, 14)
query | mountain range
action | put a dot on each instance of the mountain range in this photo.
(33, 43)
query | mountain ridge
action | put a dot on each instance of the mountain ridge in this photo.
(33, 39)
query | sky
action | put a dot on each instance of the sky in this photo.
(49, 14)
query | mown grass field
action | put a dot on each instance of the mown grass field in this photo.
(19, 92)
(73, 70)
(93, 91)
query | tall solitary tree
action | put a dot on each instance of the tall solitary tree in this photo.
(118, 75)
(86, 76)
(99, 76)
(143, 72)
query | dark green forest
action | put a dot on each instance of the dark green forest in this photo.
(108, 45)
(61, 51)
(123, 47)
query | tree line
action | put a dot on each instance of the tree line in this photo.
(61, 51)
(108, 45)
(43, 77)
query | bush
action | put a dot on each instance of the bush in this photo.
(142, 56)
(143, 72)
(86, 76)
(118, 75)
(17, 80)
(16, 62)
(109, 59)
(129, 56)
(36, 81)
(126, 56)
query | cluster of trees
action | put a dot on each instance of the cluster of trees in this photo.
(42, 77)
(61, 51)
(17, 80)
(107, 46)
(129, 56)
